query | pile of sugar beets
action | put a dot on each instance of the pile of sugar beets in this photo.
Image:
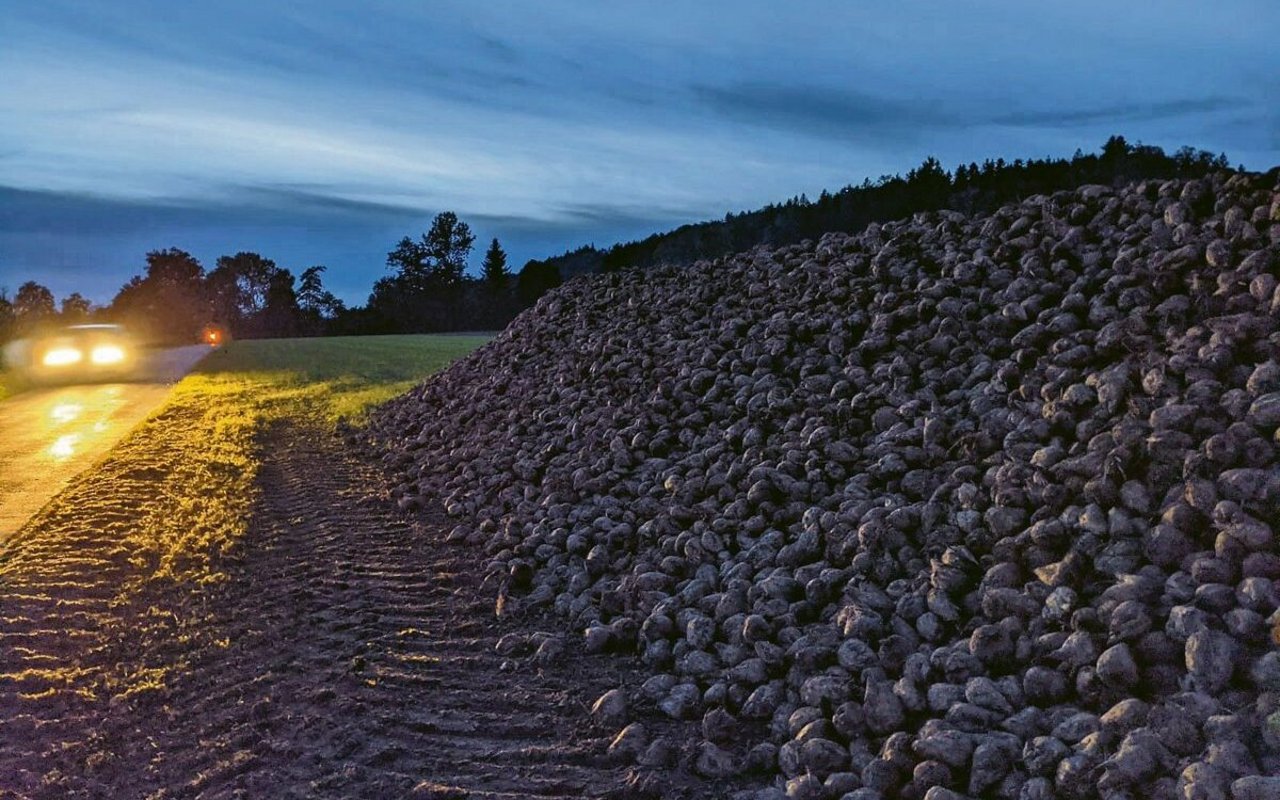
(952, 507)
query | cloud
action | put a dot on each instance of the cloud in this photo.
(1120, 113)
(825, 112)
(320, 200)
(821, 111)
(37, 211)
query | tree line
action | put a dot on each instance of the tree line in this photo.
(429, 288)
(175, 298)
(247, 295)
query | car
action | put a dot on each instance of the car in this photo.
(78, 354)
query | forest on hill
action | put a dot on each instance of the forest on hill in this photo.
(969, 188)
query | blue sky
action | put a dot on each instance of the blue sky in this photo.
(322, 132)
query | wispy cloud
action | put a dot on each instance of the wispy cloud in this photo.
(1120, 113)
(852, 115)
(821, 111)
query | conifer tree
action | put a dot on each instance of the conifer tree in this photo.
(494, 271)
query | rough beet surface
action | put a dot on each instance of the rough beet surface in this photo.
(953, 507)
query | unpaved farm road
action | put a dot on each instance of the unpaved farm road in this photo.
(350, 653)
(48, 436)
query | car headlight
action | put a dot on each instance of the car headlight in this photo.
(107, 354)
(61, 357)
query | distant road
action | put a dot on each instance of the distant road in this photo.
(49, 436)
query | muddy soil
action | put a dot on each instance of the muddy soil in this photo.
(348, 654)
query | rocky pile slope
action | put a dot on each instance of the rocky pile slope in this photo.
(953, 507)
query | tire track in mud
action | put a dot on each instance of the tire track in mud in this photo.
(74, 629)
(348, 655)
(361, 665)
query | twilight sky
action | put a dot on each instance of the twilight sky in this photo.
(322, 132)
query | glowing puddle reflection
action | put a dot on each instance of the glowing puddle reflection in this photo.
(65, 446)
(50, 435)
(66, 412)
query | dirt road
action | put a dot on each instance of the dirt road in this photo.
(48, 436)
(345, 654)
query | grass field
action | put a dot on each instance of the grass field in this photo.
(347, 374)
